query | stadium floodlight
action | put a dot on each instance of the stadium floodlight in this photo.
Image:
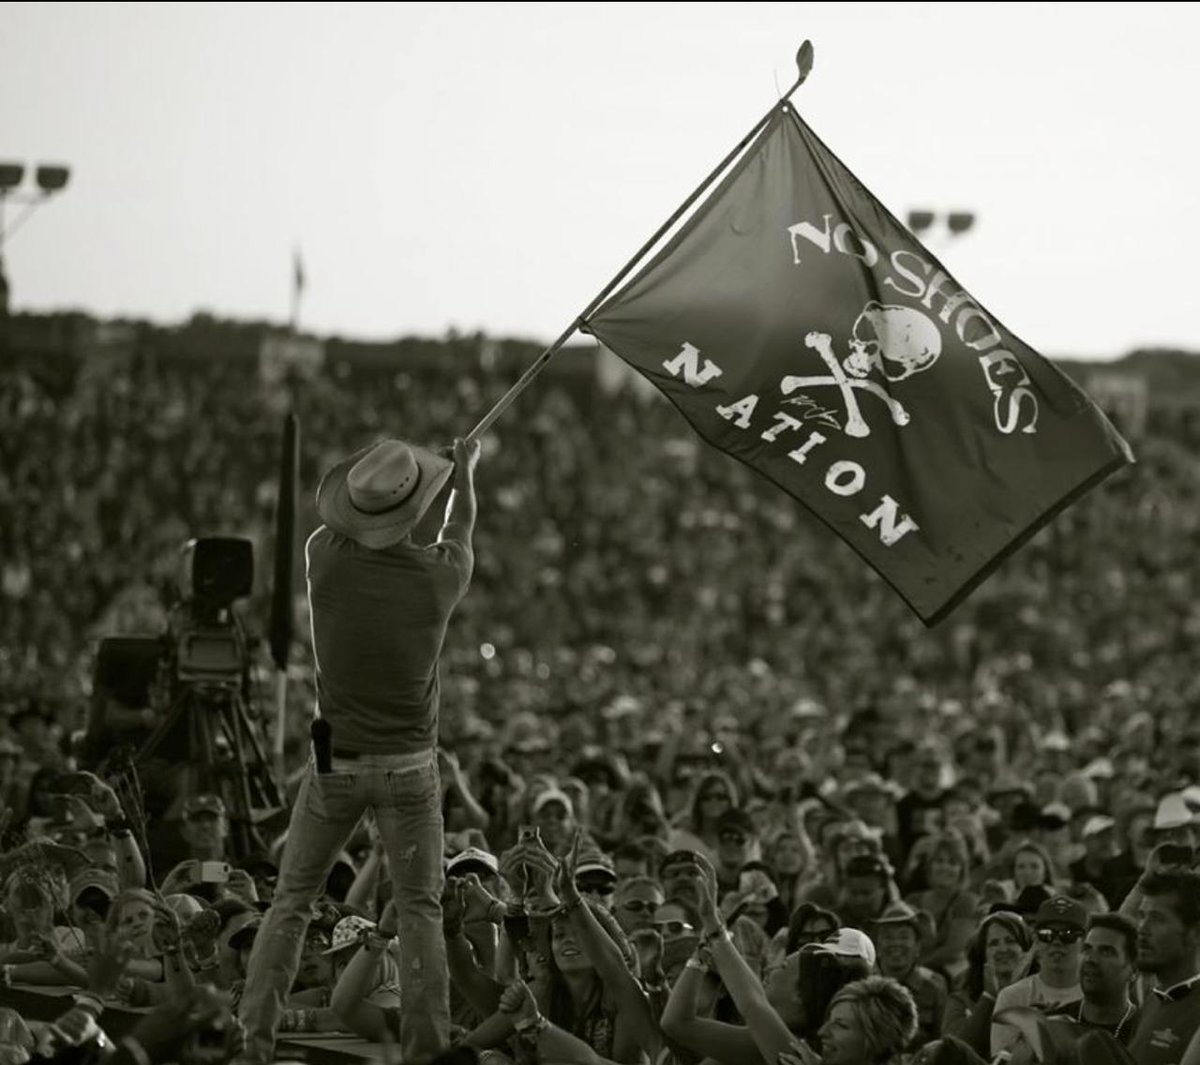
(52, 178)
(960, 221)
(919, 221)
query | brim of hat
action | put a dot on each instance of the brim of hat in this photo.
(377, 531)
(471, 865)
(87, 885)
(342, 946)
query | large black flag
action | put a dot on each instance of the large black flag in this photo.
(801, 328)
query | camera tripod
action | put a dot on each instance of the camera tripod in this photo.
(207, 736)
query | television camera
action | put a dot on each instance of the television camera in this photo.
(182, 704)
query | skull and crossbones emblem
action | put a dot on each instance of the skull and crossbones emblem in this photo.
(897, 342)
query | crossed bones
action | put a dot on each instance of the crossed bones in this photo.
(856, 425)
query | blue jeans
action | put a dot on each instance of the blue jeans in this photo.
(405, 793)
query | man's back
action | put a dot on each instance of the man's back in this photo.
(378, 621)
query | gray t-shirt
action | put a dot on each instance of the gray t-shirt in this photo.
(378, 622)
(1031, 991)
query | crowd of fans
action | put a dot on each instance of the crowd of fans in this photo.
(710, 791)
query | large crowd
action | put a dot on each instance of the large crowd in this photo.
(711, 792)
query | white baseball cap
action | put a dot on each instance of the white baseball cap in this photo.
(849, 943)
(1096, 825)
(1173, 812)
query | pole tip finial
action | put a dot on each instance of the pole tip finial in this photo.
(804, 60)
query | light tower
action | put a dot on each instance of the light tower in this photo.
(921, 220)
(49, 178)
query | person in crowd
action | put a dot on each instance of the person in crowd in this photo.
(676, 918)
(637, 902)
(949, 900)
(585, 997)
(1122, 871)
(1058, 930)
(1168, 948)
(1106, 973)
(367, 996)
(1098, 837)
(781, 1016)
(999, 955)
(461, 810)
(871, 800)
(808, 924)
(631, 861)
(1030, 867)
(380, 604)
(757, 899)
(554, 815)
(840, 841)
(790, 859)
(595, 876)
(714, 794)
(205, 831)
(870, 1020)
(131, 920)
(33, 727)
(918, 812)
(91, 893)
(737, 838)
(867, 889)
(680, 873)
(900, 933)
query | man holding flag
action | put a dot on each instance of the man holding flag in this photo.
(380, 604)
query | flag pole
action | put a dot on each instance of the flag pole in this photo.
(804, 61)
(282, 621)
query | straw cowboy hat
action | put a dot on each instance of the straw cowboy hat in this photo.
(378, 495)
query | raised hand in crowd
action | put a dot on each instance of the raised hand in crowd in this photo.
(50, 950)
(167, 930)
(518, 1002)
(240, 885)
(182, 878)
(101, 797)
(564, 880)
(82, 815)
(530, 869)
(106, 967)
(200, 939)
(479, 904)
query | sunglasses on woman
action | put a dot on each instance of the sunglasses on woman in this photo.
(640, 906)
(673, 929)
(596, 887)
(1065, 936)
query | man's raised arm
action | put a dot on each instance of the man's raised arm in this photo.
(460, 509)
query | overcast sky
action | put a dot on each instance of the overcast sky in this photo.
(492, 165)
